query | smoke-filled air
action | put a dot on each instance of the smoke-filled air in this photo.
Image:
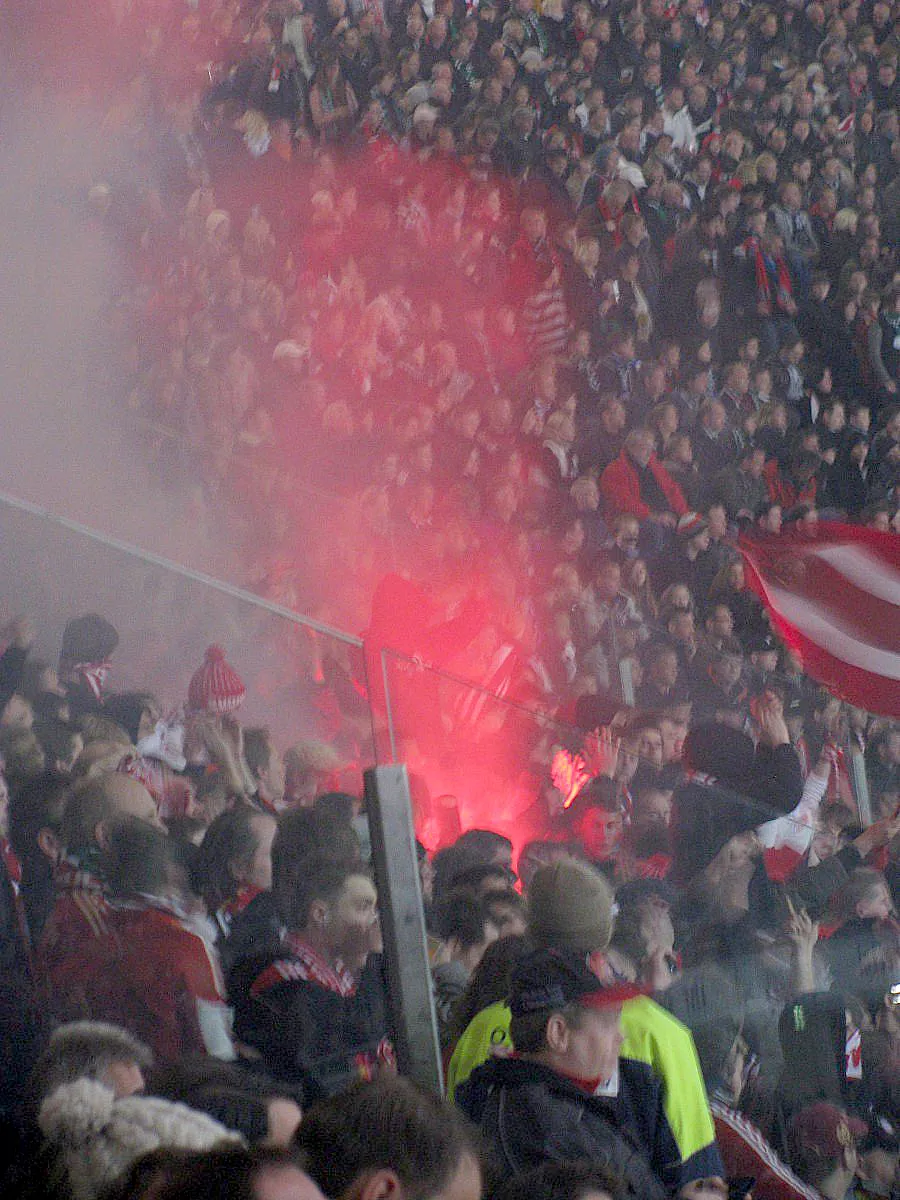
(300, 369)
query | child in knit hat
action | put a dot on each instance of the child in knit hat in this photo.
(212, 736)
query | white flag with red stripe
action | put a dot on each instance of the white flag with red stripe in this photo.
(834, 597)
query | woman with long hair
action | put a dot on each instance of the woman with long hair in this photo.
(332, 102)
(636, 584)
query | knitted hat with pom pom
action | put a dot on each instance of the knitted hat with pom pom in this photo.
(215, 686)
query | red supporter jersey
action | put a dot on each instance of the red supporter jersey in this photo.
(70, 949)
(162, 982)
(137, 965)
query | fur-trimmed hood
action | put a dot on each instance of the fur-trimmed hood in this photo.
(100, 1136)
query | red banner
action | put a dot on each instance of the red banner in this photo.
(834, 597)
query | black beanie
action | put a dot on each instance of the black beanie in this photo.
(87, 639)
(721, 751)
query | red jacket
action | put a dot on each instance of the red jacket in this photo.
(782, 489)
(71, 941)
(162, 982)
(620, 487)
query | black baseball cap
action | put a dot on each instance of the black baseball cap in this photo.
(546, 980)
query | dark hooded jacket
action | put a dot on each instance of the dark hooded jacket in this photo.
(812, 1030)
(530, 1114)
(847, 486)
(860, 955)
(731, 788)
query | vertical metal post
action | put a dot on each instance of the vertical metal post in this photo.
(387, 703)
(403, 925)
(627, 682)
(860, 784)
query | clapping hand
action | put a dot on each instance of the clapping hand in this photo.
(601, 751)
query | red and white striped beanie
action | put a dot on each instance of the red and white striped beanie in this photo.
(215, 686)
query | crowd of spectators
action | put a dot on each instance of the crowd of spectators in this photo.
(533, 309)
(561, 303)
(687, 985)
(541, 272)
(547, 305)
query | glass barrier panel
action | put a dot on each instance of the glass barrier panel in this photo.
(305, 684)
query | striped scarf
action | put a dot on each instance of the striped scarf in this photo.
(766, 268)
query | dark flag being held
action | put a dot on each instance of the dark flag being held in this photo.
(834, 597)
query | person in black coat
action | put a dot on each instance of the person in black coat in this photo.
(316, 1007)
(860, 952)
(88, 642)
(18, 635)
(732, 786)
(812, 1030)
(566, 1095)
(846, 486)
(20, 1023)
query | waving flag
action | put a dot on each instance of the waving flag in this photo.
(834, 597)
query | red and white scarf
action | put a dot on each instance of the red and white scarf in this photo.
(12, 864)
(93, 674)
(306, 965)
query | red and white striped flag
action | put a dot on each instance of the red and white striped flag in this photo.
(834, 597)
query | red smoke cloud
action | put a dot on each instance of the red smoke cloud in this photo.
(335, 343)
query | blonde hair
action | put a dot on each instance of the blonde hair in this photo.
(747, 173)
(556, 423)
(96, 728)
(311, 756)
(253, 123)
(582, 247)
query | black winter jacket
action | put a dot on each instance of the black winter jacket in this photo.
(20, 1021)
(530, 1114)
(314, 1039)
